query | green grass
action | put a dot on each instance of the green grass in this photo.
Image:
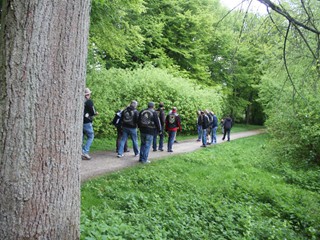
(235, 190)
(108, 144)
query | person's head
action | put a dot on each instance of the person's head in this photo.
(174, 110)
(151, 105)
(161, 105)
(202, 112)
(87, 93)
(134, 104)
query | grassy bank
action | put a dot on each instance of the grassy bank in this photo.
(235, 190)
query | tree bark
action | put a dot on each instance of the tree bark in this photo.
(43, 49)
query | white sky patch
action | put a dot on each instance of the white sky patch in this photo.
(255, 7)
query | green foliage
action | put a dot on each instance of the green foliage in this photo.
(237, 190)
(115, 88)
(289, 89)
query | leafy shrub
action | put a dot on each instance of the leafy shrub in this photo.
(115, 88)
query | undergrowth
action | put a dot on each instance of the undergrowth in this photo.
(235, 190)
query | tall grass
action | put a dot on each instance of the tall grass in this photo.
(236, 190)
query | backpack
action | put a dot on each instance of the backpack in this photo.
(117, 119)
(146, 119)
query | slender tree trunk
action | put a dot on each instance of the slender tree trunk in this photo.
(43, 48)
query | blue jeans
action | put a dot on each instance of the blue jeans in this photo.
(126, 132)
(171, 138)
(154, 145)
(87, 132)
(214, 134)
(204, 137)
(199, 132)
(146, 141)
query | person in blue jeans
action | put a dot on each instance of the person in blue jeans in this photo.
(88, 134)
(173, 123)
(149, 124)
(214, 128)
(129, 123)
(204, 121)
(199, 127)
(162, 118)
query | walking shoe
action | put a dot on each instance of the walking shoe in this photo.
(85, 156)
(127, 150)
(161, 150)
(146, 162)
(154, 150)
(175, 141)
(136, 155)
(203, 146)
(120, 155)
(198, 140)
(170, 151)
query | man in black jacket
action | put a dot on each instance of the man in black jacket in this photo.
(203, 120)
(149, 124)
(89, 113)
(162, 117)
(227, 125)
(129, 123)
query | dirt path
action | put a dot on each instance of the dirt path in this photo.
(105, 162)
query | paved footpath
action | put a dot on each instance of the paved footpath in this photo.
(107, 161)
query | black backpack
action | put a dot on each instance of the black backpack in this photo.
(117, 119)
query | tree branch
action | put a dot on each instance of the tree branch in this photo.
(282, 12)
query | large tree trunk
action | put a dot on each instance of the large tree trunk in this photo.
(43, 48)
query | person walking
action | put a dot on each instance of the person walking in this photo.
(214, 128)
(199, 127)
(209, 128)
(221, 125)
(88, 134)
(173, 123)
(129, 123)
(162, 117)
(204, 121)
(227, 125)
(117, 123)
(148, 123)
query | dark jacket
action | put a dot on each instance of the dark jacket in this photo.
(89, 111)
(162, 116)
(214, 121)
(227, 124)
(129, 117)
(173, 122)
(203, 121)
(149, 122)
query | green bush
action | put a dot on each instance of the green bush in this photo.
(115, 88)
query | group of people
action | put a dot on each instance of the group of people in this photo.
(207, 126)
(152, 123)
